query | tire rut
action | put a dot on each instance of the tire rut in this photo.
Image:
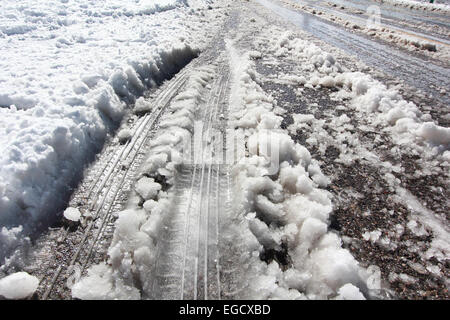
(188, 252)
(103, 192)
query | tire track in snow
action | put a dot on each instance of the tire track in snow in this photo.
(110, 186)
(188, 253)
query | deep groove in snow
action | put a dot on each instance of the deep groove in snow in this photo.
(187, 259)
(110, 186)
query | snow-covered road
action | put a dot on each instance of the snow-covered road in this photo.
(394, 62)
(431, 22)
(276, 155)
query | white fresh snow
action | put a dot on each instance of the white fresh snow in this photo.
(19, 285)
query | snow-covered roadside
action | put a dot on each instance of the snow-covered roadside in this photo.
(362, 104)
(396, 36)
(283, 215)
(70, 71)
(386, 108)
(412, 131)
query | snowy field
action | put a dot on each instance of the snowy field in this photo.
(70, 71)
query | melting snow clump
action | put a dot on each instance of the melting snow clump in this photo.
(19, 285)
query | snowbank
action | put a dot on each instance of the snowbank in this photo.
(70, 72)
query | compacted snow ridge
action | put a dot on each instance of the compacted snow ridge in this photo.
(71, 71)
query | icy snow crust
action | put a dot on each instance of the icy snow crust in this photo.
(70, 71)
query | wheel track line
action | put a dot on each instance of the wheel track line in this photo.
(201, 211)
(196, 258)
(213, 115)
(208, 206)
(186, 232)
(145, 123)
(187, 226)
(138, 128)
(195, 213)
(188, 215)
(138, 134)
(217, 211)
(219, 294)
(203, 218)
(177, 84)
(95, 186)
(145, 138)
(114, 158)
